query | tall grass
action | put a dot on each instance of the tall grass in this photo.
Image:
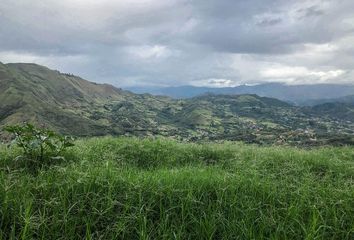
(127, 188)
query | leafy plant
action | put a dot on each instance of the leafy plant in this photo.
(39, 145)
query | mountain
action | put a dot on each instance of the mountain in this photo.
(29, 92)
(72, 105)
(298, 94)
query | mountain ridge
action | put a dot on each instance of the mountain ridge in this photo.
(298, 94)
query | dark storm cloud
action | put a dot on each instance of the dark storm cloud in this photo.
(175, 42)
(241, 28)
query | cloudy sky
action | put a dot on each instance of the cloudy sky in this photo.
(184, 42)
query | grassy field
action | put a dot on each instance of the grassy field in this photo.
(127, 188)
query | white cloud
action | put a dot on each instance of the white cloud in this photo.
(65, 63)
(215, 83)
(284, 72)
(188, 26)
(320, 48)
(14, 57)
(49, 60)
(299, 74)
(148, 52)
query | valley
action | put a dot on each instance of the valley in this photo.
(71, 105)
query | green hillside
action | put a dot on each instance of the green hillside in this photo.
(72, 105)
(346, 99)
(29, 92)
(126, 188)
(344, 111)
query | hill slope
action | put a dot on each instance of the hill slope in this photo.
(72, 105)
(346, 99)
(337, 110)
(29, 92)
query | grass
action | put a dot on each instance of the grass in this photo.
(128, 188)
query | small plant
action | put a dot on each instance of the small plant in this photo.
(39, 145)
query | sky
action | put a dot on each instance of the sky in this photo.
(213, 43)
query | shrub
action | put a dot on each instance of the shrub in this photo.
(39, 145)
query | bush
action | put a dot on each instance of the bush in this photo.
(39, 145)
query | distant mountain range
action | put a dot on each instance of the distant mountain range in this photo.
(72, 105)
(297, 94)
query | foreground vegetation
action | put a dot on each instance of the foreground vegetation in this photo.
(129, 188)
